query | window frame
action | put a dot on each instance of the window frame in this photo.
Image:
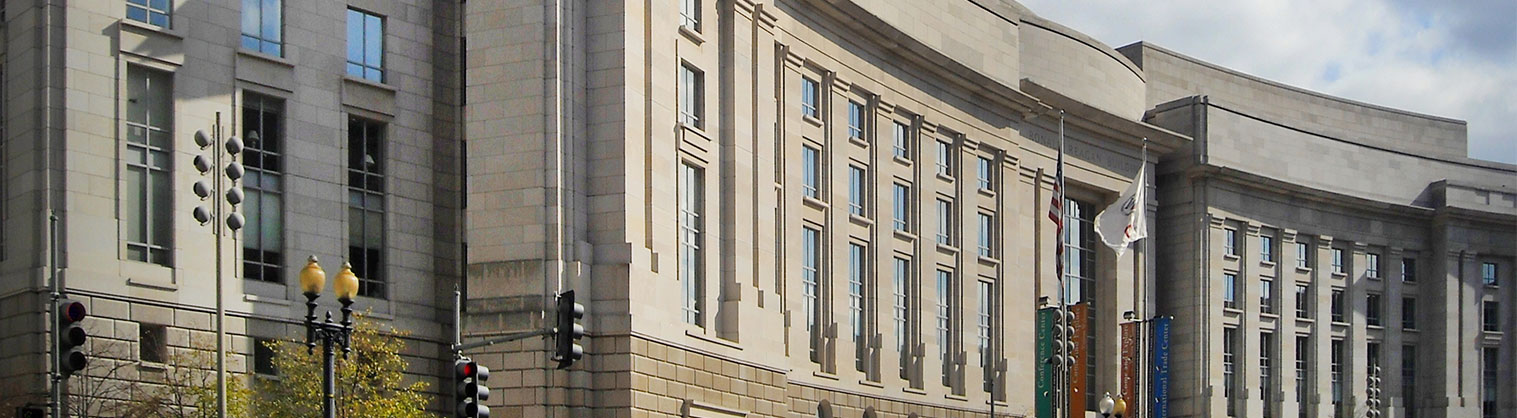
(1490, 316)
(1230, 242)
(1373, 310)
(149, 11)
(690, 15)
(155, 165)
(691, 224)
(1408, 313)
(692, 94)
(985, 170)
(1490, 274)
(367, 69)
(1229, 290)
(811, 285)
(901, 207)
(858, 185)
(372, 277)
(1267, 247)
(856, 120)
(1303, 300)
(901, 140)
(1267, 295)
(811, 171)
(262, 41)
(811, 98)
(264, 180)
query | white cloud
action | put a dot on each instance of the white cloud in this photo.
(1452, 59)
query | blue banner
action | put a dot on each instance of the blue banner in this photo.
(1160, 364)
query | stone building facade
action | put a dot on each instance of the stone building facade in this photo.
(787, 208)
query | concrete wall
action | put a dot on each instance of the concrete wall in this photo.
(1082, 68)
(1172, 75)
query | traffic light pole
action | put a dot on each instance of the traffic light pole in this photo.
(55, 372)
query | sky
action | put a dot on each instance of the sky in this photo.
(1455, 59)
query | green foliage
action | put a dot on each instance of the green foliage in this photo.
(187, 389)
(370, 380)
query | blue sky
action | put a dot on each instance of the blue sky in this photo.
(1455, 59)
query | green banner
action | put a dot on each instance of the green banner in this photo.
(1044, 386)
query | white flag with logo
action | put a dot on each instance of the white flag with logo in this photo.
(1124, 221)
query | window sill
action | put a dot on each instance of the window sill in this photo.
(860, 219)
(1233, 257)
(859, 141)
(1492, 334)
(1269, 315)
(1234, 311)
(812, 120)
(1340, 274)
(367, 82)
(989, 261)
(948, 248)
(1267, 263)
(283, 61)
(1375, 278)
(814, 202)
(913, 390)
(261, 299)
(1372, 327)
(1303, 269)
(871, 383)
(152, 365)
(960, 398)
(824, 375)
(1305, 320)
(905, 235)
(1411, 330)
(692, 35)
(903, 160)
(986, 192)
(152, 284)
(1339, 324)
(945, 177)
(695, 129)
(143, 26)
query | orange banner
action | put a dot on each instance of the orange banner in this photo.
(1130, 368)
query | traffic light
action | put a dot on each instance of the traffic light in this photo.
(569, 330)
(470, 379)
(71, 337)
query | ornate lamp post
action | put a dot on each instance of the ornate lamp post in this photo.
(312, 280)
(1106, 405)
(1121, 408)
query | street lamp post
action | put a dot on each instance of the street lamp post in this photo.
(312, 280)
(1121, 408)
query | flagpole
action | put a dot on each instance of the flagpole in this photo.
(1064, 376)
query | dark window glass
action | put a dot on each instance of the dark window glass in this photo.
(366, 205)
(263, 205)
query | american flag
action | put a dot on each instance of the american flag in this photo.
(1056, 210)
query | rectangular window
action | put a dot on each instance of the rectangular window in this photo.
(148, 196)
(1338, 261)
(1372, 265)
(1267, 296)
(692, 94)
(1230, 242)
(152, 12)
(982, 334)
(1230, 290)
(1489, 362)
(811, 255)
(857, 260)
(811, 100)
(1303, 255)
(902, 203)
(1229, 370)
(857, 182)
(902, 294)
(945, 222)
(366, 204)
(1303, 364)
(944, 313)
(263, 356)
(1266, 371)
(986, 171)
(1080, 268)
(1409, 270)
(690, 14)
(945, 159)
(692, 257)
(366, 42)
(987, 235)
(902, 144)
(263, 26)
(1372, 309)
(1267, 248)
(1490, 316)
(263, 204)
(1409, 378)
(152, 343)
(1408, 313)
(1335, 357)
(855, 120)
(1337, 308)
(811, 172)
(1488, 274)
(1303, 301)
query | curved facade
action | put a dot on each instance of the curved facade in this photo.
(830, 208)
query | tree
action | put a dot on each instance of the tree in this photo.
(370, 379)
(186, 389)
